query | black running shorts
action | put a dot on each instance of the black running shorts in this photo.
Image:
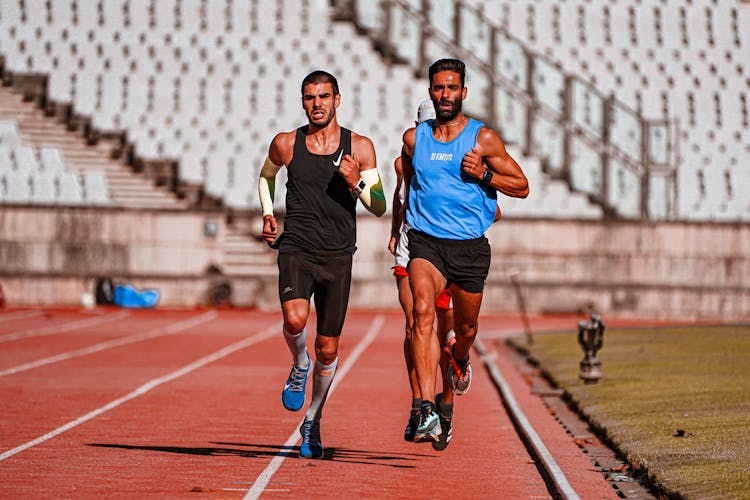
(325, 275)
(462, 262)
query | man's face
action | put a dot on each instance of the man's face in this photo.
(447, 94)
(320, 103)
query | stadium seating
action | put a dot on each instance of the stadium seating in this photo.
(28, 176)
(669, 59)
(660, 64)
(208, 83)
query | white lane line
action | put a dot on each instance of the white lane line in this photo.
(19, 315)
(561, 483)
(101, 346)
(65, 327)
(221, 353)
(259, 486)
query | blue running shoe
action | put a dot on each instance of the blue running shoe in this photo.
(311, 446)
(293, 394)
(429, 424)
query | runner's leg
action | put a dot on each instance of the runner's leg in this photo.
(466, 307)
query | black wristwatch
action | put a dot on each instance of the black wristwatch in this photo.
(358, 188)
(487, 176)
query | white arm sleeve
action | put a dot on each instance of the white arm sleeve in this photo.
(372, 195)
(267, 185)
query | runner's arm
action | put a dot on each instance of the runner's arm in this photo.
(396, 219)
(369, 187)
(503, 173)
(279, 154)
(396, 207)
(407, 170)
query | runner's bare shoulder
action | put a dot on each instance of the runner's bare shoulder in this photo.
(409, 138)
(362, 146)
(282, 147)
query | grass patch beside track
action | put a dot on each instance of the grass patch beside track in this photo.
(658, 382)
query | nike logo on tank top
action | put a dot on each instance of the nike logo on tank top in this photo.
(445, 202)
(320, 211)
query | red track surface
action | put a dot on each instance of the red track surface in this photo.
(217, 425)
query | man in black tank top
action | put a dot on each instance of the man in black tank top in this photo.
(319, 206)
(328, 169)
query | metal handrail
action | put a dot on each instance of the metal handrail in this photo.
(600, 144)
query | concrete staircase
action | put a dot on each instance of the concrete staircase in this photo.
(245, 254)
(127, 189)
(245, 257)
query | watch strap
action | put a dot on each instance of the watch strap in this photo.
(487, 176)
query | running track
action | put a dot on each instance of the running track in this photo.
(179, 403)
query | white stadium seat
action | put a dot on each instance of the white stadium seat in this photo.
(8, 132)
(95, 188)
(43, 188)
(18, 187)
(71, 192)
(51, 160)
(177, 76)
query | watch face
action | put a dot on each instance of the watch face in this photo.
(361, 184)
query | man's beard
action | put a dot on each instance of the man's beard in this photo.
(448, 115)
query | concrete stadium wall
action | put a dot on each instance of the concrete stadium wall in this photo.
(53, 255)
(668, 270)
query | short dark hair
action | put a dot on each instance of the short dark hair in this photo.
(320, 76)
(455, 65)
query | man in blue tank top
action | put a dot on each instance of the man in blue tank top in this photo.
(328, 169)
(453, 167)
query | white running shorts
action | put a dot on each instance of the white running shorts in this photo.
(402, 248)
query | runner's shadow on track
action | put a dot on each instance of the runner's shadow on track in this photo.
(264, 450)
(207, 451)
(341, 450)
(351, 456)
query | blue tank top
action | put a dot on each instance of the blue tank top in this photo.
(445, 202)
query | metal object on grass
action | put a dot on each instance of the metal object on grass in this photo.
(590, 337)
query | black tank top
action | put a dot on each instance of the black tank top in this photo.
(320, 210)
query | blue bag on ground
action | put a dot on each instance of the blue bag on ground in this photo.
(128, 296)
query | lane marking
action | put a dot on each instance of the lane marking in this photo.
(259, 486)
(148, 386)
(101, 346)
(20, 315)
(561, 483)
(65, 327)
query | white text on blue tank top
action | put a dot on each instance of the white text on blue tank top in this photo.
(441, 156)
